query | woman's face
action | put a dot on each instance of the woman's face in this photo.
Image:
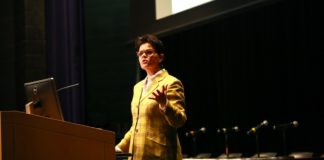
(149, 59)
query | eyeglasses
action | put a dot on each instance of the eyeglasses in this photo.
(147, 52)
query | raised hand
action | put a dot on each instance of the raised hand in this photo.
(160, 95)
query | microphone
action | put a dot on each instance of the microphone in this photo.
(228, 130)
(256, 128)
(293, 124)
(194, 133)
(67, 87)
(38, 103)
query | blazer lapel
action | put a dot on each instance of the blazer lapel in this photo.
(150, 89)
(154, 85)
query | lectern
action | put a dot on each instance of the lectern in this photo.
(32, 137)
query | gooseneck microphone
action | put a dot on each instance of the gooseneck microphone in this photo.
(67, 87)
(228, 130)
(256, 128)
(193, 136)
(194, 133)
(283, 128)
(293, 124)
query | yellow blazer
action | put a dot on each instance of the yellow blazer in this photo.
(153, 134)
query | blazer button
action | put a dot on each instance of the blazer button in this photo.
(136, 130)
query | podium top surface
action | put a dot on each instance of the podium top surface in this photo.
(36, 121)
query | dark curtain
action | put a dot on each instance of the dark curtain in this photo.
(262, 64)
(65, 48)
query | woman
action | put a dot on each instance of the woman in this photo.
(158, 107)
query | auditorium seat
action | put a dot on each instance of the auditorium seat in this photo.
(301, 155)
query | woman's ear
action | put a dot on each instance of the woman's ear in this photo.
(161, 57)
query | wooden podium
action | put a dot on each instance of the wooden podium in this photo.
(31, 137)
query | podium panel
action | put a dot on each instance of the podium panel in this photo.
(25, 136)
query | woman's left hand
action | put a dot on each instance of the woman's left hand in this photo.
(160, 95)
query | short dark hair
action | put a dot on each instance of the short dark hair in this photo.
(151, 39)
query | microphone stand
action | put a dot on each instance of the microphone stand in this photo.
(257, 145)
(226, 145)
(284, 145)
(256, 131)
(226, 135)
(194, 145)
(193, 137)
(284, 129)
